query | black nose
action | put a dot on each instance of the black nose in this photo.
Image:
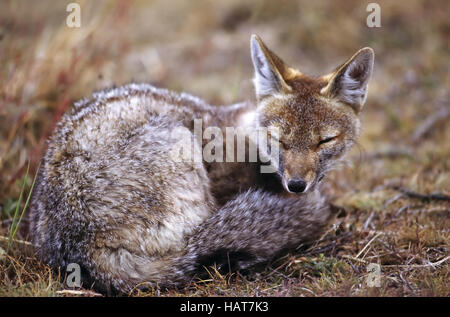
(297, 185)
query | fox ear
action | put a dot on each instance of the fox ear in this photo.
(349, 83)
(269, 69)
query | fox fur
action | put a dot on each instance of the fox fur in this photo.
(110, 198)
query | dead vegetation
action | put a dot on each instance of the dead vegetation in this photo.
(392, 201)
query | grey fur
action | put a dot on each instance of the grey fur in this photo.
(109, 198)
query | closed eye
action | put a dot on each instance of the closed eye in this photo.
(326, 140)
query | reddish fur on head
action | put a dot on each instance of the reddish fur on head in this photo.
(317, 117)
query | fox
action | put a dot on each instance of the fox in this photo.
(110, 197)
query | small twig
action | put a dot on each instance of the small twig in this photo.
(308, 290)
(429, 210)
(405, 281)
(429, 123)
(408, 266)
(275, 270)
(78, 293)
(269, 288)
(281, 274)
(401, 210)
(367, 245)
(420, 265)
(3, 238)
(412, 194)
(392, 200)
(353, 258)
(369, 220)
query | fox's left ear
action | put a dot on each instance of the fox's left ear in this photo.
(349, 83)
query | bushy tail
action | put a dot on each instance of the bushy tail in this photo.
(251, 229)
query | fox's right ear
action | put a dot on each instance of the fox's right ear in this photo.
(269, 68)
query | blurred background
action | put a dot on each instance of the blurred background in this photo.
(202, 47)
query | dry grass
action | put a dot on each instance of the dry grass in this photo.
(202, 47)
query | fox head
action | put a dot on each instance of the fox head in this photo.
(317, 118)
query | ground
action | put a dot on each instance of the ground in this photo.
(391, 199)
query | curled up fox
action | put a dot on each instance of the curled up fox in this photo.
(111, 197)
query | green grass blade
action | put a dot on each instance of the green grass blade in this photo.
(16, 219)
(16, 212)
(26, 202)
